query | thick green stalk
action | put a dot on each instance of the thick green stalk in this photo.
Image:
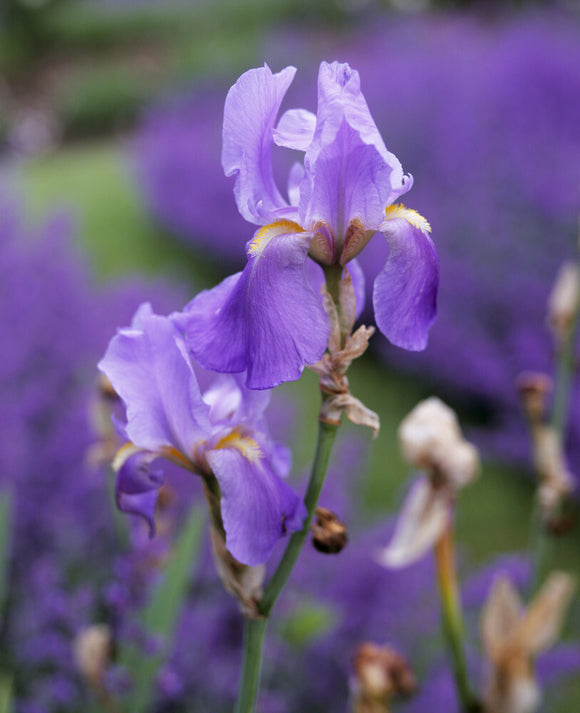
(255, 629)
(326, 434)
(254, 634)
(452, 619)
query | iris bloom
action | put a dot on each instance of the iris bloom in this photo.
(268, 320)
(219, 434)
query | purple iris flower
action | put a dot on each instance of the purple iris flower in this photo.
(219, 433)
(268, 320)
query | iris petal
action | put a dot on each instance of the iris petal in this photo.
(250, 113)
(149, 368)
(405, 292)
(137, 488)
(268, 321)
(349, 172)
(257, 507)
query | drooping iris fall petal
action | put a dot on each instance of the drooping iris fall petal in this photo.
(268, 322)
(258, 508)
(405, 291)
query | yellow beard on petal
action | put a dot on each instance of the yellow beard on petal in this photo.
(244, 444)
(265, 234)
(398, 210)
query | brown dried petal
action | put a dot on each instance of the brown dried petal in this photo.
(500, 618)
(328, 304)
(356, 412)
(245, 583)
(347, 305)
(541, 624)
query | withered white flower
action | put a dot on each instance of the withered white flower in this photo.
(512, 636)
(431, 440)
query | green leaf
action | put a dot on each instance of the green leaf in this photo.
(5, 545)
(160, 616)
(5, 694)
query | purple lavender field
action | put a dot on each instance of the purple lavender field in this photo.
(112, 194)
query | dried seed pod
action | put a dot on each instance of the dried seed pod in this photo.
(329, 534)
(379, 674)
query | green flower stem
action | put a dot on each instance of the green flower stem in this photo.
(254, 634)
(452, 618)
(326, 435)
(255, 629)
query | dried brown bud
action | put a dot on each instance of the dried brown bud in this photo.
(380, 673)
(564, 301)
(92, 651)
(329, 534)
(534, 389)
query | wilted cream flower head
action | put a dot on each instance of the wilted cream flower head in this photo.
(431, 440)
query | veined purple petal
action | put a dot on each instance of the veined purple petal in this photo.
(251, 108)
(149, 368)
(137, 488)
(349, 172)
(233, 403)
(258, 508)
(294, 180)
(268, 322)
(405, 292)
(295, 129)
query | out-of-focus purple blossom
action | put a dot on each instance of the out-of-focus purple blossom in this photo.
(485, 114)
(53, 328)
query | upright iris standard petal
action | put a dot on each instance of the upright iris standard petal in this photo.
(349, 175)
(258, 508)
(149, 368)
(250, 113)
(405, 292)
(295, 129)
(270, 322)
